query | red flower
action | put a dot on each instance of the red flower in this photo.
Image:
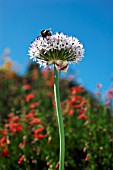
(4, 132)
(38, 130)
(26, 86)
(110, 94)
(57, 166)
(77, 89)
(33, 105)
(13, 119)
(77, 98)
(82, 116)
(21, 159)
(37, 135)
(30, 114)
(35, 121)
(71, 112)
(99, 86)
(70, 102)
(81, 104)
(21, 145)
(50, 82)
(87, 158)
(44, 73)
(5, 152)
(49, 139)
(98, 93)
(54, 104)
(3, 141)
(84, 150)
(80, 111)
(10, 115)
(107, 103)
(29, 97)
(49, 94)
(15, 127)
(71, 78)
(34, 74)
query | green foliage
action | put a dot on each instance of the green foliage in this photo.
(29, 137)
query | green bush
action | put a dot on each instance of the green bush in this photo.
(29, 137)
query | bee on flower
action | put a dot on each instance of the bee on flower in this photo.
(58, 49)
(45, 33)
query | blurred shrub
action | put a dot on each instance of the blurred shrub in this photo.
(29, 136)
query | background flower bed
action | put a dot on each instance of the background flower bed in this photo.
(28, 125)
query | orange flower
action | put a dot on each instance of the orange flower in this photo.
(29, 97)
(21, 159)
(5, 152)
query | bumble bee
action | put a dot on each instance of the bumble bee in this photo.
(45, 33)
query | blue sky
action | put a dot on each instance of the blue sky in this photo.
(90, 20)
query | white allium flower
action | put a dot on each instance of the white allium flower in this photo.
(58, 49)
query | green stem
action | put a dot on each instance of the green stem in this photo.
(60, 119)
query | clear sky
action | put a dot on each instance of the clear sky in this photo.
(91, 21)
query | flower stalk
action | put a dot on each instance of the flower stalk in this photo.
(60, 119)
(59, 50)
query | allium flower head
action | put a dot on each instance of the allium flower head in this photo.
(58, 49)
